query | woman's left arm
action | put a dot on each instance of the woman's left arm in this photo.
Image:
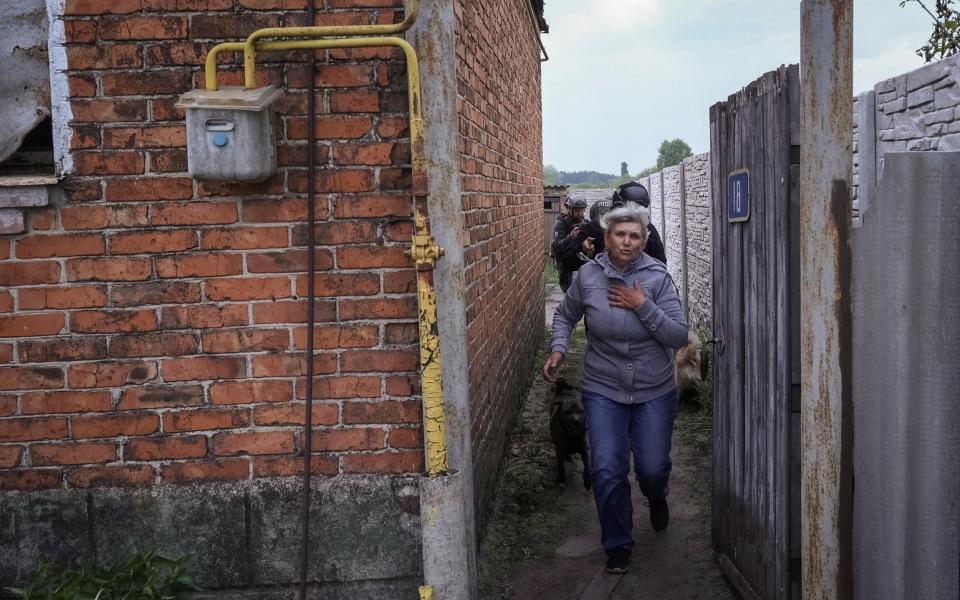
(663, 316)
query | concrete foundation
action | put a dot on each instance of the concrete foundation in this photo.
(243, 537)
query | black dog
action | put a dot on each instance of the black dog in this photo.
(568, 430)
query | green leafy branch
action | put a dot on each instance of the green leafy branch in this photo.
(945, 39)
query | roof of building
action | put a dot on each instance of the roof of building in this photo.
(538, 10)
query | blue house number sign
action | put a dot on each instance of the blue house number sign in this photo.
(738, 196)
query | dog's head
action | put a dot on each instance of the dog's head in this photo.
(567, 410)
(688, 360)
(689, 369)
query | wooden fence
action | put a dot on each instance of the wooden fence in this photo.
(754, 136)
(553, 198)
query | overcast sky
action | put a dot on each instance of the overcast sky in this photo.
(624, 75)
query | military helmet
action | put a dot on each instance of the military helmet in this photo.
(600, 208)
(576, 202)
(631, 191)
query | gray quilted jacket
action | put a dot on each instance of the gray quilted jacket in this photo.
(629, 353)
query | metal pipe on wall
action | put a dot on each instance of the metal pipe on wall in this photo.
(311, 307)
(424, 250)
(826, 165)
(253, 43)
(250, 48)
(536, 31)
(442, 507)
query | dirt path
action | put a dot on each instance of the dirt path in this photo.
(543, 541)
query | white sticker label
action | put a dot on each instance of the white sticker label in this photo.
(219, 125)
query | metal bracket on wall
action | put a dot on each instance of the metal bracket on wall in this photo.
(718, 341)
(424, 250)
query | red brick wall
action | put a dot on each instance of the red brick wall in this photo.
(151, 329)
(501, 158)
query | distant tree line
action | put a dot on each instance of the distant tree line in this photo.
(551, 176)
(670, 153)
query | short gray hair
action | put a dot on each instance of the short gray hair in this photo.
(631, 212)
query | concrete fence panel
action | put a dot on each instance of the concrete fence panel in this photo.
(915, 111)
(680, 210)
(905, 388)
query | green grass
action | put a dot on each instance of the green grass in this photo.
(694, 428)
(527, 518)
(550, 275)
(695, 418)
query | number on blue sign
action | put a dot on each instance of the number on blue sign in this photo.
(738, 196)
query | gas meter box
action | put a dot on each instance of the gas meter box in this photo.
(231, 133)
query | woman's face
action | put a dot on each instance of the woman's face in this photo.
(625, 242)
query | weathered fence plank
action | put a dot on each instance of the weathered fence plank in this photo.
(793, 308)
(748, 553)
(752, 315)
(720, 462)
(735, 391)
(768, 229)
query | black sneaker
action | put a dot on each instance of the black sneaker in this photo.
(618, 561)
(659, 514)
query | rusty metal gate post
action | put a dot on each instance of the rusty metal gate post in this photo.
(826, 165)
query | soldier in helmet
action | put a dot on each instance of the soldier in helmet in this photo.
(633, 191)
(591, 233)
(600, 208)
(566, 239)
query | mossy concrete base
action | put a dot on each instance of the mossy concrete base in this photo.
(244, 537)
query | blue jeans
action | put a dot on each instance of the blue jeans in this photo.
(615, 430)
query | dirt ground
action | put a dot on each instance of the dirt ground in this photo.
(543, 540)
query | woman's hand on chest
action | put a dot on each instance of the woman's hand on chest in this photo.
(629, 298)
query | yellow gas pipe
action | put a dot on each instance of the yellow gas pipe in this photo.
(426, 593)
(250, 47)
(424, 250)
